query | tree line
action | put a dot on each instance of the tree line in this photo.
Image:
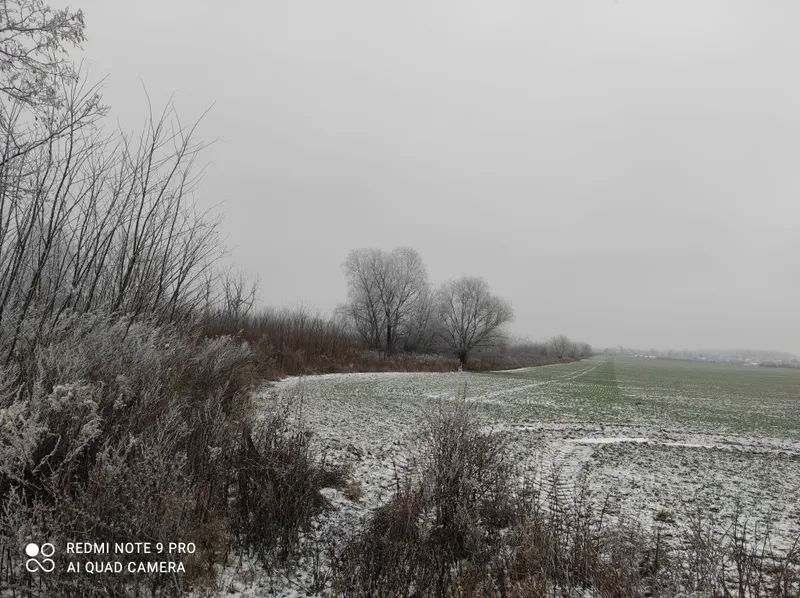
(393, 307)
(558, 348)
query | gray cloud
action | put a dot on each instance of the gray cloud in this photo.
(624, 172)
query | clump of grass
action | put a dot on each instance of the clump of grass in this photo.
(353, 491)
(278, 487)
(449, 513)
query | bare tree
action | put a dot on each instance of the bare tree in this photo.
(238, 295)
(401, 284)
(37, 75)
(470, 316)
(559, 346)
(384, 293)
(89, 220)
(363, 307)
(420, 334)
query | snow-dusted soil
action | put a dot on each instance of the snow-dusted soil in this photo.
(661, 439)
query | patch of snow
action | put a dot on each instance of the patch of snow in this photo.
(612, 440)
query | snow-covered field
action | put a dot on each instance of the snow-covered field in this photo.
(664, 440)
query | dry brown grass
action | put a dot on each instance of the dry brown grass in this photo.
(353, 491)
(295, 342)
(447, 514)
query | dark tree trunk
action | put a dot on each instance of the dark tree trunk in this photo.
(462, 358)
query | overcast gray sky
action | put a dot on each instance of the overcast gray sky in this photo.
(625, 172)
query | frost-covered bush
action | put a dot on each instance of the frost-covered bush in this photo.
(112, 430)
(119, 431)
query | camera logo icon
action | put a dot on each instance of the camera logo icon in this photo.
(44, 563)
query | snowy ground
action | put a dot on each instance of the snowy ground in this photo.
(663, 439)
